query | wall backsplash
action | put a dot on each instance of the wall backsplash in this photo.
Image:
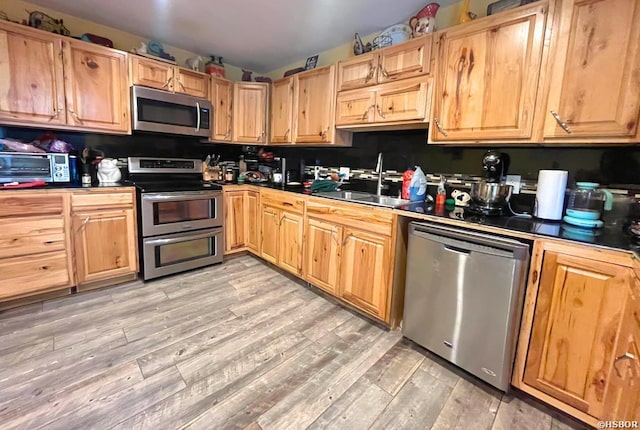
(607, 165)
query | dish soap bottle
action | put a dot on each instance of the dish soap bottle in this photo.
(441, 195)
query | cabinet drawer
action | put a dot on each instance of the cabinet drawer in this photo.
(282, 200)
(374, 220)
(15, 203)
(24, 236)
(23, 276)
(93, 199)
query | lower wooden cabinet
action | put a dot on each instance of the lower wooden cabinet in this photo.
(252, 220)
(290, 236)
(105, 244)
(28, 275)
(234, 221)
(365, 271)
(270, 221)
(580, 339)
(322, 254)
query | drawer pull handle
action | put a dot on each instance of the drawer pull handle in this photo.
(626, 355)
(75, 116)
(287, 203)
(380, 112)
(371, 72)
(82, 224)
(366, 113)
(166, 84)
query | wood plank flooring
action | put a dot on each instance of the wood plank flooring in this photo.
(238, 345)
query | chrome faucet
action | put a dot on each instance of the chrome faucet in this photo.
(379, 172)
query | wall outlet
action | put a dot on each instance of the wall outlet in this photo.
(515, 181)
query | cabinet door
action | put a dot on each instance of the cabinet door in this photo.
(270, 224)
(234, 222)
(577, 315)
(364, 271)
(96, 87)
(31, 79)
(322, 254)
(282, 111)
(252, 220)
(250, 112)
(290, 246)
(105, 244)
(403, 101)
(191, 82)
(151, 73)
(623, 392)
(222, 101)
(406, 60)
(594, 76)
(358, 72)
(487, 77)
(315, 98)
(356, 106)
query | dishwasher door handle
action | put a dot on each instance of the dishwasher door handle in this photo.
(457, 250)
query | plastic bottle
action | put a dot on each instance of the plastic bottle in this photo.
(406, 182)
(441, 196)
(242, 164)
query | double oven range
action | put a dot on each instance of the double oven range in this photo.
(180, 217)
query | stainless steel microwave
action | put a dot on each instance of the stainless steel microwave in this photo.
(164, 112)
(27, 167)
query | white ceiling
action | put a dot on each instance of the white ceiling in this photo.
(261, 35)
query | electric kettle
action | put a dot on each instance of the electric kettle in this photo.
(586, 203)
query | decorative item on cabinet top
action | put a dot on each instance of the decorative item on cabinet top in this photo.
(424, 21)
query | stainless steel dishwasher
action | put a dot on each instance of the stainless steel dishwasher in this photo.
(464, 296)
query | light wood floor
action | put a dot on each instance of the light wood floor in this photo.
(238, 345)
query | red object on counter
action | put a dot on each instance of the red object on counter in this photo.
(25, 185)
(406, 182)
(441, 199)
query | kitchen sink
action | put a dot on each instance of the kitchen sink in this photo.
(359, 197)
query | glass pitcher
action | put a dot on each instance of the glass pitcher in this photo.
(587, 201)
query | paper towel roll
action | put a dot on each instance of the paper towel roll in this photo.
(552, 185)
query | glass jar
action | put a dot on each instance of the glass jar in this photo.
(587, 201)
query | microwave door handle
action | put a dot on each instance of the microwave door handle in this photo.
(197, 116)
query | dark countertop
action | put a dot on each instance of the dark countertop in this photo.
(611, 235)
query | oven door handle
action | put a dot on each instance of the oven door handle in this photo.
(197, 117)
(187, 195)
(182, 238)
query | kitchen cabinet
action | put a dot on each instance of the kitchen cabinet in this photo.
(234, 221)
(314, 98)
(579, 337)
(487, 77)
(105, 236)
(96, 87)
(35, 256)
(270, 223)
(364, 271)
(59, 82)
(222, 101)
(405, 60)
(322, 257)
(250, 112)
(166, 76)
(402, 102)
(593, 89)
(282, 111)
(31, 83)
(252, 220)
(290, 237)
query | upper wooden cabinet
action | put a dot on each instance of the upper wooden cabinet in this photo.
(165, 76)
(405, 60)
(579, 341)
(487, 76)
(314, 95)
(593, 88)
(282, 111)
(54, 81)
(402, 102)
(31, 77)
(250, 112)
(222, 101)
(96, 87)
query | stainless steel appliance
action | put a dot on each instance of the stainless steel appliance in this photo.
(27, 167)
(490, 196)
(165, 112)
(464, 296)
(180, 217)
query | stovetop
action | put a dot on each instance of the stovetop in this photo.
(156, 186)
